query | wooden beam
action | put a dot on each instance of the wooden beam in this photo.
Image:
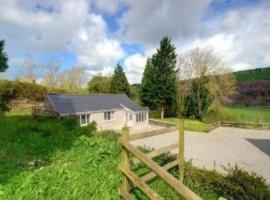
(125, 133)
(125, 194)
(167, 177)
(162, 150)
(140, 184)
(152, 133)
(152, 175)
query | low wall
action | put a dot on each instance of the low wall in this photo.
(160, 123)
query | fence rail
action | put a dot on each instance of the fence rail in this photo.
(132, 179)
(257, 125)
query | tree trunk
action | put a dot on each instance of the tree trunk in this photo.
(181, 148)
(162, 112)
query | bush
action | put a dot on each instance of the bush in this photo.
(86, 130)
(237, 184)
(6, 93)
(70, 122)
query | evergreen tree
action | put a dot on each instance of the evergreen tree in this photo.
(146, 95)
(3, 57)
(199, 99)
(159, 89)
(119, 82)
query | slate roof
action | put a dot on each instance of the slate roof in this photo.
(67, 104)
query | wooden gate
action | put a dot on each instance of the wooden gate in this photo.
(131, 179)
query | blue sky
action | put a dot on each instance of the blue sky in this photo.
(98, 34)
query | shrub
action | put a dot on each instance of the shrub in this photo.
(86, 130)
(237, 184)
(70, 122)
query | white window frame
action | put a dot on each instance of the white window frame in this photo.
(109, 116)
(86, 119)
(141, 117)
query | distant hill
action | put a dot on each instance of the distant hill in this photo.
(253, 75)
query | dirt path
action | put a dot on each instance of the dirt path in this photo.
(245, 147)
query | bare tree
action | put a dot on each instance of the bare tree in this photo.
(73, 78)
(197, 65)
(30, 70)
(52, 74)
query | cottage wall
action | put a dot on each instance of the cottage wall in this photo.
(117, 123)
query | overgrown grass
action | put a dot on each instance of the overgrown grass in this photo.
(241, 114)
(55, 159)
(190, 124)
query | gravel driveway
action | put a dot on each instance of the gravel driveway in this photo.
(248, 148)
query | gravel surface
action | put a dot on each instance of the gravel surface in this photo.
(245, 147)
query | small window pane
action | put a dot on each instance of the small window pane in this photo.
(83, 119)
(88, 119)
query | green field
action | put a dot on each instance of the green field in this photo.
(245, 114)
(47, 158)
(253, 75)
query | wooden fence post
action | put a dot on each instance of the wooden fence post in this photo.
(181, 149)
(126, 163)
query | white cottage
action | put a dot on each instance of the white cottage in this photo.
(109, 111)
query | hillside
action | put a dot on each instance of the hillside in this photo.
(252, 75)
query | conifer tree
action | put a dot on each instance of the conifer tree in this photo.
(159, 89)
(119, 82)
(3, 57)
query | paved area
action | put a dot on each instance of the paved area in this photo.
(144, 128)
(245, 147)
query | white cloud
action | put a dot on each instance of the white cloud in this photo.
(146, 22)
(240, 35)
(108, 6)
(134, 66)
(69, 26)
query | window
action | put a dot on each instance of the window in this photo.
(109, 115)
(141, 117)
(130, 116)
(85, 119)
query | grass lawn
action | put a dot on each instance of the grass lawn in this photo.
(245, 114)
(190, 124)
(48, 158)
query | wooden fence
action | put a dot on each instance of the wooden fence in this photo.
(131, 179)
(39, 111)
(252, 125)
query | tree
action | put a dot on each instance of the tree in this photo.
(3, 57)
(99, 84)
(159, 91)
(72, 78)
(119, 83)
(211, 82)
(51, 77)
(30, 70)
(147, 94)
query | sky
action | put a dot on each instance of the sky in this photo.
(97, 34)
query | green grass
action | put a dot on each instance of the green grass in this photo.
(241, 114)
(18, 112)
(47, 158)
(190, 124)
(71, 162)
